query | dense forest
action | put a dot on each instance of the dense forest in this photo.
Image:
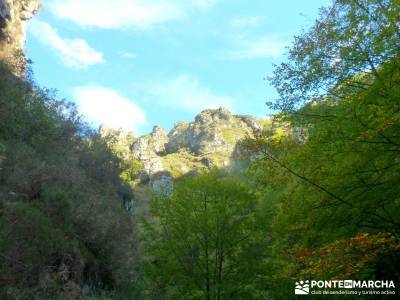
(317, 196)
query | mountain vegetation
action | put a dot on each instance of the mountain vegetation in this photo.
(64, 231)
(224, 207)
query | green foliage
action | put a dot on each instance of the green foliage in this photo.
(207, 242)
(181, 162)
(265, 123)
(321, 199)
(350, 37)
(64, 233)
(232, 135)
(119, 143)
(333, 190)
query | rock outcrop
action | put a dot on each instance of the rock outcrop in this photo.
(207, 142)
(213, 131)
(149, 146)
(13, 17)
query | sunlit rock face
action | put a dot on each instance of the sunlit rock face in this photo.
(162, 183)
(6, 12)
(149, 146)
(13, 17)
(160, 139)
(213, 131)
(210, 141)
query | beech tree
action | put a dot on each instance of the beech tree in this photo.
(207, 242)
(350, 38)
(338, 181)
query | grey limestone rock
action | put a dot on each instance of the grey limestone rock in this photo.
(211, 140)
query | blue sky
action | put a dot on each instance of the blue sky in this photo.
(137, 63)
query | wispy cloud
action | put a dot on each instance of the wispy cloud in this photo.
(203, 4)
(103, 105)
(74, 53)
(244, 22)
(256, 47)
(248, 39)
(128, 55)
(185, 93)
(124, 14)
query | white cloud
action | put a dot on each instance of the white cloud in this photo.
(246, 22)
(203, 4)
(128, 55)
(124, 14)
(249, 48)
(74, 53)
(186, 93)
(105, 106)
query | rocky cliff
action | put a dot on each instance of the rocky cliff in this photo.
(13, 17)
(207, 142)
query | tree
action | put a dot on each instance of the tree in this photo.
(329, 168)
(207, 241)
(64, 232)
(351, 37)
(341, 87)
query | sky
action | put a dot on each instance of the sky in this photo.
(133, 64)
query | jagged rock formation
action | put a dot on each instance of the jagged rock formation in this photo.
(213, 131)
(209, 141)
(149, 146)
(119, 140)
(162, 183)
(13, 17)
(154, 161)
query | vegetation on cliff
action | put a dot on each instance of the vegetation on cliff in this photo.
(318, 196)
(64, 232)
(327, 175)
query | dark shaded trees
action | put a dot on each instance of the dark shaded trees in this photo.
(64, 232)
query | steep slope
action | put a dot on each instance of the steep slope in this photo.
(13, 17)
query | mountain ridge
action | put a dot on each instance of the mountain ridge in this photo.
(209, 141)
